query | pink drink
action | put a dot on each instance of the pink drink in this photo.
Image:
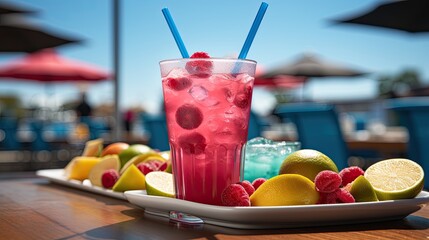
(207, 113)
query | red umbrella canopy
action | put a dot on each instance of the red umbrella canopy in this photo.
(47, 66)
(280, 82)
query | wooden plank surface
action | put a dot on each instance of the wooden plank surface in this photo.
(32, 208)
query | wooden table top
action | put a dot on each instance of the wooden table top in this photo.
(34, 208)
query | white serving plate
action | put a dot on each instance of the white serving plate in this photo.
(57, 176)
(281, 216)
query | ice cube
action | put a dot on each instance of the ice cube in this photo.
(201, 95)
(244, 78)
(177, 73)
(221, 79)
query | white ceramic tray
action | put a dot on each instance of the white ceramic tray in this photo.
(278, 217)
(57, 176)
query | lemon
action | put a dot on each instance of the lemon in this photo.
(307, 162)
(131, 179)
(160, 184)
(285, 189)
(362, 190)
(396, 178)
(107, 162)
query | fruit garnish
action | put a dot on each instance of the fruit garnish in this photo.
(193, 143)
(200, 68)
(343, 196)
(93, 148)
(258, 182)
(235, 196)
(149, 166)
(133, 151)
(362, 190)
(189, 116)
(179, 84)
(107, 162)
(248, 187)
(242, 99)
(160, 184)
(150, 156)
(79, 167)
(308, 163)
(114, 148)
(327, 181)
(349, 174)
(397, 178)
(327, 198)
(109, 178)
(131, 179)
(285, 189)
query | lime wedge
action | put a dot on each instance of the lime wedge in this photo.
(160, 184)
(362, 190)
(396, 178)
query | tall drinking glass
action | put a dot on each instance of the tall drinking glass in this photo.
(207, 104)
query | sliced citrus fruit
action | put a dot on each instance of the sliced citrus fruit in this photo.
(285, 189)
(362, 190)
(308, 163)
(150, 156)
(93, 148)
(396, 178)
(79, 167)
(160, 184)
(106, 163)
(131, 179)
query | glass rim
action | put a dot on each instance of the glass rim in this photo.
(166, 61)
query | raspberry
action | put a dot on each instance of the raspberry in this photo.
(109, 178)
(163, 166)
(327, 198)
(343, 196)
(200, 68)
(193, 143)
(179, 84)
(247, 186)
(200, 55)
(327, 181)
(235, 195)
(189, 116)
(243, 98)
(258, 182)
(148, 166)
(350, 174)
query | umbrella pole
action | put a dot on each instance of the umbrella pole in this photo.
(116, 65)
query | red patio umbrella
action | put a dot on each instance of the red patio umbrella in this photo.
(47, 66)
(280, 82)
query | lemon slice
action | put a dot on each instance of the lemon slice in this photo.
(396, 178)
(160, 184)
(285, 189)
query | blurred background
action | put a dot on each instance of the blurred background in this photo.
(108, 53)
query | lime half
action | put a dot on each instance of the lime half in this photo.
(397, 178)
(160, 184)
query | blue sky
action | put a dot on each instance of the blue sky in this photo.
(288, 29)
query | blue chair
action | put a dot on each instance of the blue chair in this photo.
(38, 143)
(9, 129)
(413, 114)
(97, 126)
(156, 126)
(256, 126)
(318, 128)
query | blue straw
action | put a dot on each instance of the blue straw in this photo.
(175, 33)
(253, 30)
